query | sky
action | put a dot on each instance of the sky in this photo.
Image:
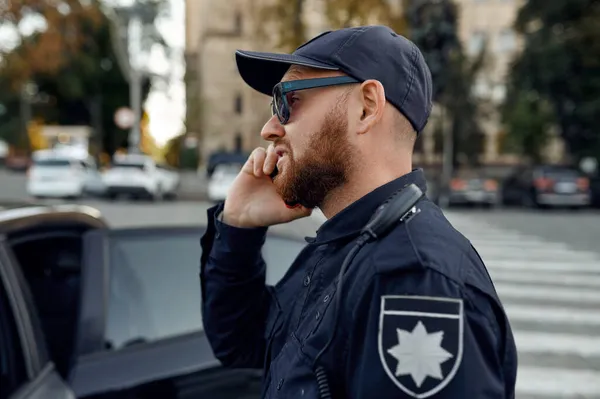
(165, 104)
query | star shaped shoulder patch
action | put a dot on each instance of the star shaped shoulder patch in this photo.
(420, 342)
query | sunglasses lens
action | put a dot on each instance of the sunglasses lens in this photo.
(279, 105)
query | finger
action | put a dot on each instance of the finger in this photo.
(259, 160)
(249, 165)
(270, 161)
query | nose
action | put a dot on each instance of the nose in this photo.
(272, 130)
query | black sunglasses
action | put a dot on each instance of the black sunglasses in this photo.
(280, 105)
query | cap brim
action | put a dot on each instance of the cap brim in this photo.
(262, 71)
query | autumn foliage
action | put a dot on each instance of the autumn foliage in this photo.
(70, 27)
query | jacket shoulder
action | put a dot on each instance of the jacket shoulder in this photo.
(428, 241)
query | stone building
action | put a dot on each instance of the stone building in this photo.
(228, 115)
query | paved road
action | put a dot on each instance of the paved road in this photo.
(551, 292)
(579, 229)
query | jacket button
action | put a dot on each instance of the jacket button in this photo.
(280, 384)
(318, 315)
(326, 298)
(307, 281)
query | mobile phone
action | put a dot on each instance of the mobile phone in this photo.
(274, 173)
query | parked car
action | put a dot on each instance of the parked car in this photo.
(171, 180)
(473, 188)
(89, 311)
(546, 186)
(139, 176)
(467, 188)
(54, 174)
(221, 180)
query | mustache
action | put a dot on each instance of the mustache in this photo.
(282, 143)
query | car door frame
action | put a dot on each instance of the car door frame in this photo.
(89, 374)
(97, 370)
(41, 372)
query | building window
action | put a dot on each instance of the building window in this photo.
(506, 41)
(238, 104)
(499, 93)
(238, 23)
(238, 143)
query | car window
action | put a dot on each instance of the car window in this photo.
(561, 173)
(154, 287)
(52, 162)
(12, 363)
(128, 165)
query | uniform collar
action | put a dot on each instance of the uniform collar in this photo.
(353, 218)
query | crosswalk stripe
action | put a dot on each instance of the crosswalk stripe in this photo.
(564, 294)
(490, 251)
(551, 294)
(484, 243)
(558, 382)
(546, 266)
(552, 314)
(557, 343)
(507, 238)
(523, 276)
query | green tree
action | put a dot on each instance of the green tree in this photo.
(179, 156)
(528, 120)
(560, 62)
(173, 151)
(433, 27)
(83, 85)
(10, 123)
(285, 18)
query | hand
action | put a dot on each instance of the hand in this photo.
(253, 201)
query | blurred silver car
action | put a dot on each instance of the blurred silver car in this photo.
(546, 186)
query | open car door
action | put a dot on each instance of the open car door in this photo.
(26, 371)
(141, 328)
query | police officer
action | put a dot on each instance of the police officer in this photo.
(418, 316)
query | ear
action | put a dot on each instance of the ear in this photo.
(372, 96)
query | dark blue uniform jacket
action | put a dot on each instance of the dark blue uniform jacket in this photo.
(419, 316)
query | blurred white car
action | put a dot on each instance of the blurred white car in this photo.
(57, 175)
(171, 180)
(221, 180)
(139, 176)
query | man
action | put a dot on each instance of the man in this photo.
(418, 315)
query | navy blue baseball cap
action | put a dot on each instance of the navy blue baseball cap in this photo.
(364, 52)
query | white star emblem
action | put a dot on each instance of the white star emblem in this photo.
(419, 354)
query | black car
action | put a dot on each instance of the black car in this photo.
(87, 311)
(546, 186)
